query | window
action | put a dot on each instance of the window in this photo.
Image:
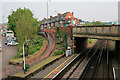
(69, 16)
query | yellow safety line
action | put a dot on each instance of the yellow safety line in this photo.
(57, 68)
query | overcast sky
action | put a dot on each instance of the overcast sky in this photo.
(101, 10)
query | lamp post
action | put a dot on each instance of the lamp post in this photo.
(24, 55)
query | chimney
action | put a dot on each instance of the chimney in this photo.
(59, 14)
(72, 13)
(44, 18)
(50, 16)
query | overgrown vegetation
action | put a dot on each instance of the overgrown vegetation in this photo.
(94, 23)
(91, 40)
(34, 46)
(61, 37)
(61, 41)
(58, 52)
(25, 27)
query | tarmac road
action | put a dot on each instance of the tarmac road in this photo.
(7, 53)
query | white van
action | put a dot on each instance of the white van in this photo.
(10, 33)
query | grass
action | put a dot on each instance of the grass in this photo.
(37, 66)
(90, 40)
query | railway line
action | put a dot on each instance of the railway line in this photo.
(93, 64)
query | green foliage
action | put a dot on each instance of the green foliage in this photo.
(58, 52)
(65, 40)
(91, 41)
(62, 35)
(33, 47)
(27, 67)
(94, 23)
(24, 26)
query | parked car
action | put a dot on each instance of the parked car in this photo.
(10, 43)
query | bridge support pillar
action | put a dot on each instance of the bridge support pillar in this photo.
(80, 43)
(117, 49)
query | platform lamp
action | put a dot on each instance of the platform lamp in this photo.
(24, 55)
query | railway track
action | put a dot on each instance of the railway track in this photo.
(104, 68)
(92, 65)
(78, 65)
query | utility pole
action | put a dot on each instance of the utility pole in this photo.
(47, 9)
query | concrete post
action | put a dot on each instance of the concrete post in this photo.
(117, 49)
(80, 43)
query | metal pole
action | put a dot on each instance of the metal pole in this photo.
(24, 55)
(24, 58)
(47, 9)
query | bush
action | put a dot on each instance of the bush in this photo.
(33, 50)
(27, 67)
(58, 52)
(33, 46)
(38, 48)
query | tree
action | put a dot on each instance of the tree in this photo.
(23, 24)
(94, 23)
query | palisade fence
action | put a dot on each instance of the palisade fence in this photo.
(34, 59)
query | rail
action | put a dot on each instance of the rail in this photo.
(63, 72)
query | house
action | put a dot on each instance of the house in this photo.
(62, 20)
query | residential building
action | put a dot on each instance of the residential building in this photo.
(62, 20)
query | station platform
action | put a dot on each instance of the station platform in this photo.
(53, 69)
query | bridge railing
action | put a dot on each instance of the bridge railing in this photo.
(107, 30)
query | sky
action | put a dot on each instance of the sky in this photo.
(88, 10)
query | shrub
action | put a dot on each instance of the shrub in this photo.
(38, 48)
(27, 67)
(58, 52)
(33, 50)
(33, 46)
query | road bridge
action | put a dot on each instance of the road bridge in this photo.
(106, 32)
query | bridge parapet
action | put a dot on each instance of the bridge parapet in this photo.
(102, 30)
